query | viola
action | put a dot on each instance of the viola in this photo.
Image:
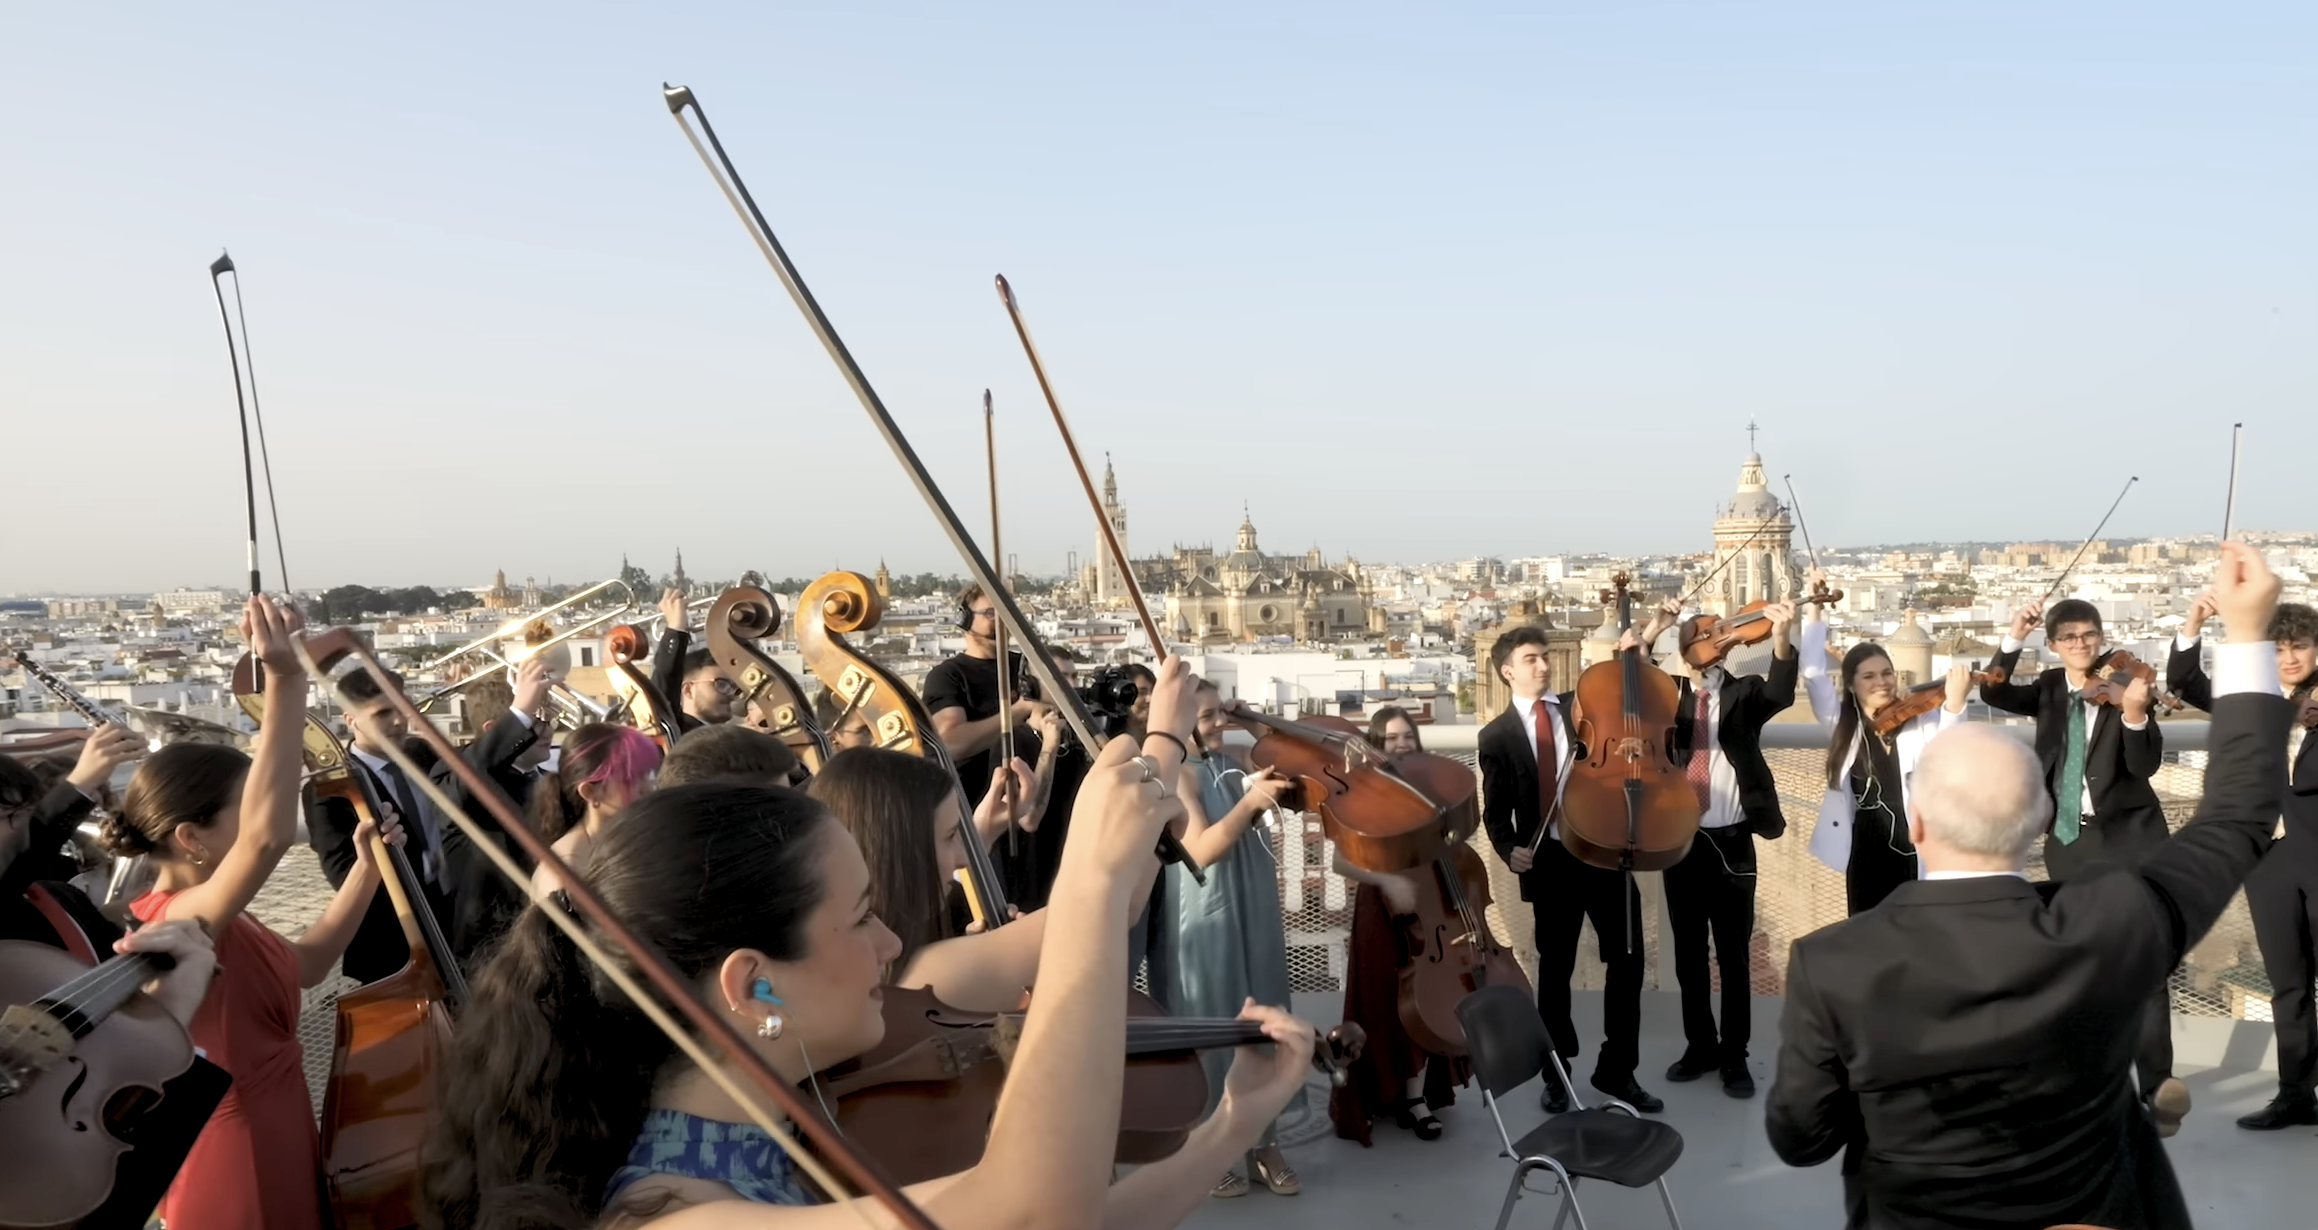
(2113, 676)
(649, 711)
(772, 698)
(393, 1035)
(921, 1103)
(1451, 951)
(1708, 639)
(844, 602)
(82, 1057)
(1626, 806)
(1925, 697)
(1383, 813)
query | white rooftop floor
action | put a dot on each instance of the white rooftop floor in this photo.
(1728, 1177)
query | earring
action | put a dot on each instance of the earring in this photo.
(763, 993)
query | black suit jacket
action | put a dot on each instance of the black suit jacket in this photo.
(1747, 704)
(1968, 1043)
(483, 902)
(2127, 819)
(1509, 803)
(2185, 675)
(668, 676)
(378, 948)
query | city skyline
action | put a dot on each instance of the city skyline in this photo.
(1966, 267)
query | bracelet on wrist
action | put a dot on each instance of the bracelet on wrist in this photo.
(1180, 746)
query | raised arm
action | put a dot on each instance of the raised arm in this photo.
(1818, 684)
(2014, 695)
(269, 796)
(1209, 839)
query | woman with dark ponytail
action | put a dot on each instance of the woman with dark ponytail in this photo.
(216, 822)
(563, 1107)
(1863, 820)
(600, 769)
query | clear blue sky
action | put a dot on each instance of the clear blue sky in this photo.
(1395, 275)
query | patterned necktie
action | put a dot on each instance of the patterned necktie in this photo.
(431, 852)
(1701, 767)
(1548, 761)
(2068, 801)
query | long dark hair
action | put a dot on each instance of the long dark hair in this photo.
(593, 754)
(1847, 723)
(888, 799)
(183, 783)
(552, 1068)
(1383, 718)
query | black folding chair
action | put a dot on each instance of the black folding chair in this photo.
(1508, 1045)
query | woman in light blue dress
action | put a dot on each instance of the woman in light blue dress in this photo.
(1231, 945)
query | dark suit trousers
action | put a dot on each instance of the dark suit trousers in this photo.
(1712, 891)
(2282, 894)
(1572, 894)
(2153, 1059)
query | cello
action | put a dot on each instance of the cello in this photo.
(392, 1034)
(1383, 814)
(647, 710)
(1451, 951)
(771, 697)
(1625, 806)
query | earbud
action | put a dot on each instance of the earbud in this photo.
(762, 992)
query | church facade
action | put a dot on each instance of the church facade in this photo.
(1246, 595)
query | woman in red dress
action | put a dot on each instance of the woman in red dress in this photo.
(1393, 1076)
(217, 822)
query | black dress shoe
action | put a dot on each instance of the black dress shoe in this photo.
(1556, 1097)
(1688, 1069)
(1631, 1092)
(2285, 1110)
(1737, 1081)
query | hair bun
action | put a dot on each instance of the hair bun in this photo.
(123, 838)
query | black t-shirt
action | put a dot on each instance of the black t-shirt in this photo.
(971, 683)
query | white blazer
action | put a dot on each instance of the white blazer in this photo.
(1831, 839)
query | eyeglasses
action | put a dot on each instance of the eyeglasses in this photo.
(2078, 638)
(987, 612)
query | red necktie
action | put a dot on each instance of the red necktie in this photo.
(1548, 761)
(1701, 768)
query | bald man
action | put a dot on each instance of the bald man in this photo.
(1968, 1044)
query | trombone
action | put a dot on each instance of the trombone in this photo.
(572, 708)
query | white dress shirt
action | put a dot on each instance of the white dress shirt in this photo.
(1722, 788)
(1527, 710)
(2092, 714)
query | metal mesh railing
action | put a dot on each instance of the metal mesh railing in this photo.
(1795, 895)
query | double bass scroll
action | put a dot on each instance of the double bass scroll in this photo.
(844, 602)
(771, 698)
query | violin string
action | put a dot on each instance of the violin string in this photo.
(644, 1000)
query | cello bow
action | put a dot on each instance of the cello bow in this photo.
(1074, 711)
(668, 996)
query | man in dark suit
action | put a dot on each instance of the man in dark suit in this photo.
(2282, 893)
(513, 738)
(1525, 755)
(689, 678)
(1965, 1044)
(1718, 741)
(378, 948)
(2097, 761)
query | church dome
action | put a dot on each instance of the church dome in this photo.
(1910, 633)
(1754, 501)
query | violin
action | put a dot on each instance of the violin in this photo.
(1708, 639)
(1384, 814)
(83, 1056)
(843, 602)
(2113, 676)
(1451, 951)
(1626, 806)
(393, 1035)
(2306, 709)
(1925, 697)
(771, 698)
(921, 1103)
(649, 711)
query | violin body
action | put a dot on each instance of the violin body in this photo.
(1451, 951)
(60, 1128)
(771, 698)
(845, 602)
(921, 1101)
(1625, 806)
(1382, 814)
(1708, 639)
(2109, 681)
(1923, 698)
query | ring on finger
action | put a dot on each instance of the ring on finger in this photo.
(1150, 766)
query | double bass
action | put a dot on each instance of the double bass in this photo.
(831, 607)
(771, 698)
(1625, 806)
(393, 1034)
(646, 709)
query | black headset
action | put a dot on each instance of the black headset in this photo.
(965, 615)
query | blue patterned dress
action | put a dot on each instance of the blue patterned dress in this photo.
(1231, 942)
(742, 1156)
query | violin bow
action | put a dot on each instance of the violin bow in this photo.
(1796, 502)
(1111, 545)
(720, 168)
(1717, 569)
(2089, 540)
(2229, 511)
(243, 412)
(1005, 758)
(709, 1032)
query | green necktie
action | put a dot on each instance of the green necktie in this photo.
(2068, 805)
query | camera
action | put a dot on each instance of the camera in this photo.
(1110, 698)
